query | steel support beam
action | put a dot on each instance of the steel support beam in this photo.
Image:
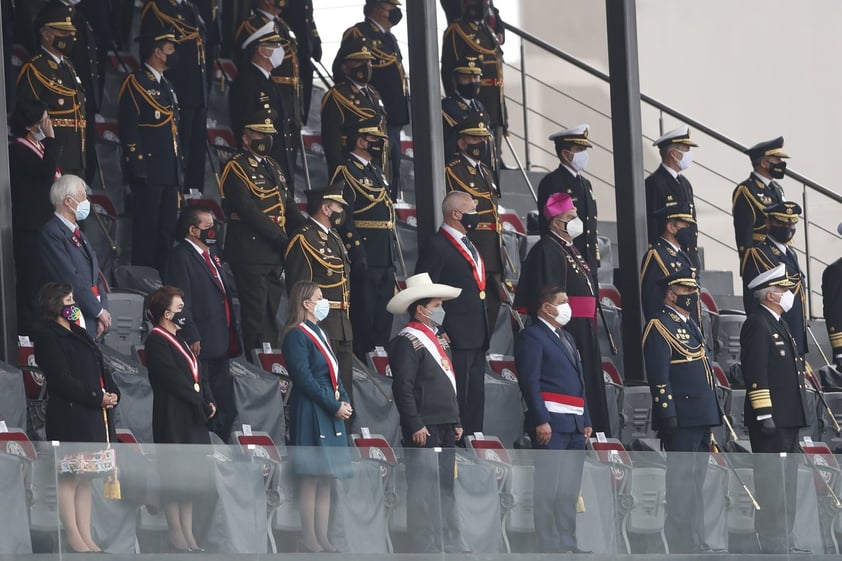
(426, 115)
(630, 196)
(8, 293)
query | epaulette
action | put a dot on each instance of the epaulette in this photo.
(417, 345)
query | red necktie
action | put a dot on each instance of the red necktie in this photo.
(215, 274)
(78, 234)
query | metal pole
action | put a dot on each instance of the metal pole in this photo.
(627, 137)
(525, 105)
(426, 115)
(808, 290)
(8, 293)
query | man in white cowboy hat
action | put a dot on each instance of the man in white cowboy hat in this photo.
(424, 387)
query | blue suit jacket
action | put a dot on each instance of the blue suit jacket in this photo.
(544, 364)
(65, 258)
(204, 302)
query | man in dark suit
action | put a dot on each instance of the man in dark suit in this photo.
(210, 330)
(424, 386)
(466, 173)
(387, 75)
(188, 77)
(262, 215)
(65, 255)
(451, 258)
(666, 257)
(50, 77)
(667, 184)
(368, 231)
(254, 89)
(832, 304)
(299, 15)
(551, 380)
(760, 190)
(316, 253)
(684, 406)
(152, 156)
(775, 407)
(775, 249)
(571, 147)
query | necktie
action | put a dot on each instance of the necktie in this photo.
(215, 274)
(78, 234)
(471, 248)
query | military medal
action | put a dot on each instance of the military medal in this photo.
(157, 114)
(336, 394)
(196, 387)
(482, 295)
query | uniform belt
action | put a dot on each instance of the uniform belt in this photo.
(75, 123)
(493, 82)
(562, 403)
(374, 224)
(582, 306)
(489, 226)
(291, 80)
(334, 305)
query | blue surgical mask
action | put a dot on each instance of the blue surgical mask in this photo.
(83, 209)
(322, 309)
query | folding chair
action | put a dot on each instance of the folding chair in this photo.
(490, 449)
(260, 447)
(503, 366)
(273, 361)
(379, 362)
(143, 280)
(730, 325)
(139, 353)
(722, 387)
(377, 449)
(613, 394)
(829, 436)
(34, 382)
(636, 415)
(127, 323)
(827, 477)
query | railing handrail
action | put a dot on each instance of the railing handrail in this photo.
(552, 49)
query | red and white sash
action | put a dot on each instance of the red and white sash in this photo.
(327, 352)
(38, 149)
(561, 403)
(431, 343)
(188, 355)
(478, 270)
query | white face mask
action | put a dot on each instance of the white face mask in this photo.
(575, 228)
(321, 309)
(787, 300)
(38, 134)
(685, 160)
(580, 160)
(563, 313)
(277, 57)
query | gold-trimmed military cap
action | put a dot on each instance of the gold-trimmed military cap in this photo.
(473, 125)
(154, 32)
(574, 135)
(681, 135)
(675, 211)
(355, 48)
(263, 121)
(469, 65)
(266, 33)
(372, 125)
(773, 277)
(684, 277)
(329, 193)
(772, 147)
(57, 17)
(786, 212)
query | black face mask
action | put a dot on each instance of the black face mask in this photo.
(777, 170)
(477, 151)
(689, 302)
(469, 90)
(64, 44)
(180, 319)
(361, 74)
(477, 11)
(375, 148)
(173, 59)
(261, 146)
(337, 219)
(395, 16)
(686, 237)
(782, 234)
(208, 236)
(469, 221)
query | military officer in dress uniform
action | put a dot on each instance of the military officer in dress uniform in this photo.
(775, 407)
(684, 406)
(666, 257)
(470, 35)
(571, 147)
(387, 75)
(467, 173)
(50, 77)
(261, 216)
(188, 77)
(287, 77)
(367, 232)
(554, 260)
(757, 192)
(667, 185)
(299, 15)
(832, 303)
(152, 158)
(773, 250)
(460, 103)
(254, 89)
(316, 253)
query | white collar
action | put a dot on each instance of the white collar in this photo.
(320, 225)
(562, 240)
(765, 181)
(548, 324)
(360, 158)
(67, 222)
(775, 314)
(154, 72)
(672, 172)
(361, 87)
(779, 245)
(675, 247)
(196, 247)
(267, 14)
(262, 70)
(570, 169)
(58, 59)
(684, 317)
(380, 27)
(467, 101)
(472, 161)
(453, 232)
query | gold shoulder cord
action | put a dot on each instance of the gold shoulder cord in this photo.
(343, 103)
(476, 194)
(650, 255)
(185, 32)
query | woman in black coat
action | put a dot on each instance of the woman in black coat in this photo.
(81, 397)
(182, 405)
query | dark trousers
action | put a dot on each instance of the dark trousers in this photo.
(259, 289)
(492, 300)
(686, 470)
(429, 493)
(371, 290)
(193, 130)
(558, 477)
(305, 69)
(218, 373)
(775, 482)
(27, 278)
(154, 217)
(394, 132)
(469, 367)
